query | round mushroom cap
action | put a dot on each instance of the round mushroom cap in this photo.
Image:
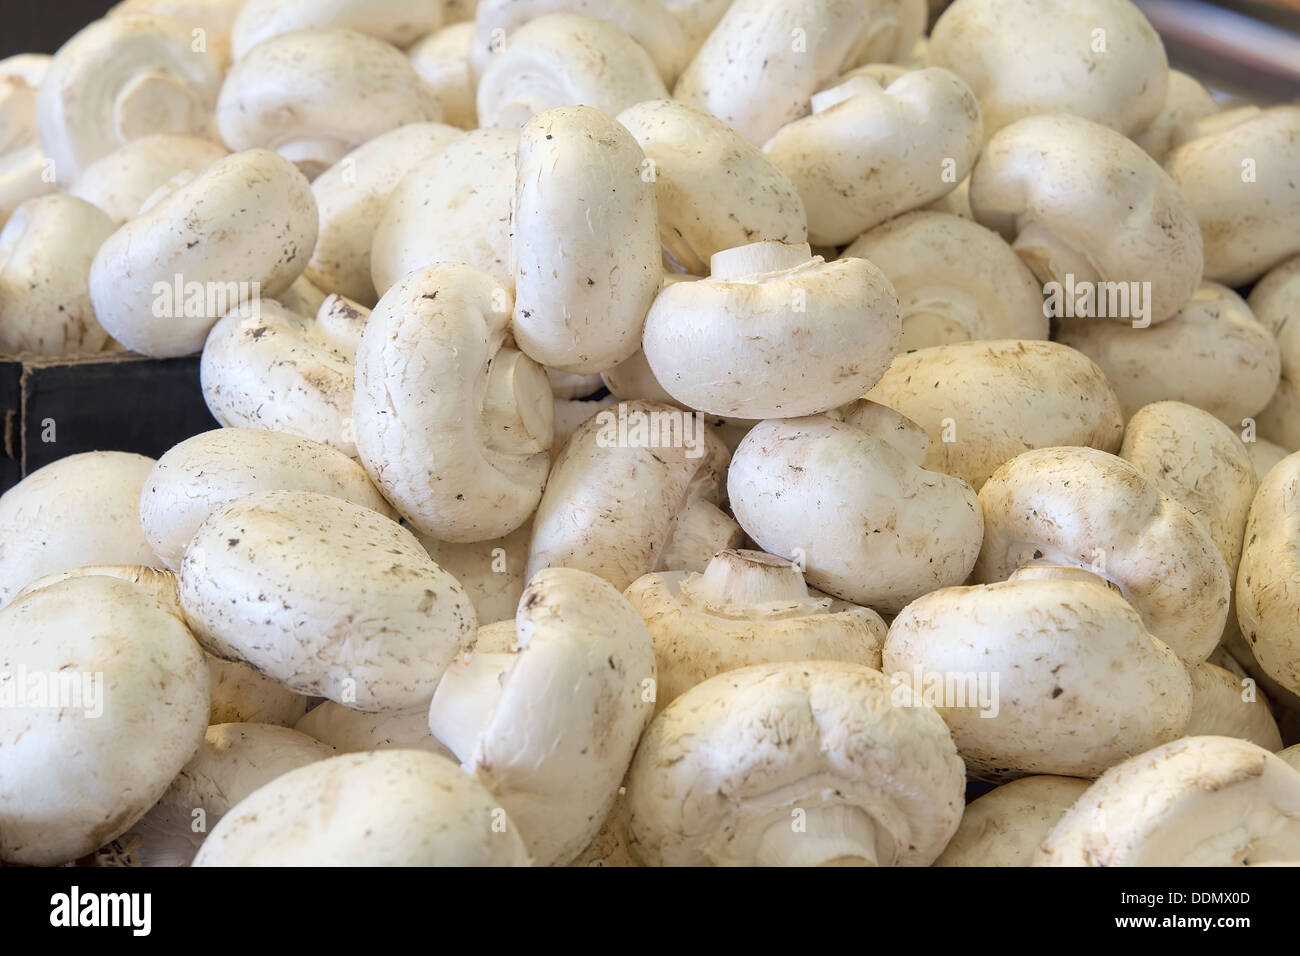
(1040, 674)
(351, 731)
(1186, 102)
(121, 78)
(1093, 216)
(1081, 507)
(1006, 825)
(1264, 455)
(232, 762)
(442, 60)
(555, 761)
(794, 763)
(956, 281)
(399, 22)
(1212, 353)
(122, 181)
(109, 681)
(213, 468)
(1099, 59)
(746, 607)
(1276, 300)
(214, 18)
(383, 808)
(77, 511)
(1198, 801)
(868, 524)
(491, 572)
(1226, 705)
(328, 597)
(983, 403)
(243, 694)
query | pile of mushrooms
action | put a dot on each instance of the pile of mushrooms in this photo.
(655, 433)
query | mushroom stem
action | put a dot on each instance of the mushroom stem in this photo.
(936, 316)
(847, 90)
(1050, 258)
(518, 410)
(835, 835)
(153, 102)
(466, 700)
(747, 578)
(758, 258)
(703, 529)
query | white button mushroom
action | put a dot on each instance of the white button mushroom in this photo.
(871, 526)
(773, 332)
(713, 189)
(315, 95)
(399, 22)
(385, 808)
(866, 154)
(956, 281)
(212, 469)
(1212, 353)
(697, 19)
(1276, 301)
(452, 207)
(1049, 672)
(351, 731)
(1226, 705)
(120, 182)
(1099, 59)
(241, 230)
(1085, 508)
(620, 490)
(233, 761)
(554, 760)
(1200, 801)
(46, 250)
(746, 607)
(326, 596)
(1186, 102)
(20, 78)
(110, 684)
(491, 572)
(983, 403)
(1241, 181)
(1265, 455)
(210, 21)
(453, 423)
(1088, 209)
(442, 60)
(796, 763)
(120, 79)
(1005, 826)
(585, 241)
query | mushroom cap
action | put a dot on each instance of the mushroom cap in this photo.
(1241, 183)
(131, 659)
(1226, 705)
(1077, 681)
(120, 182)
(956, 281)
(1291, 755)
(983, 403)
(242, 694)
(648, 22)
(46, 249)
(612, 502)
(697, 19)
(1264, 455)
(491, 572)
(383, 808)
(1198, 801)
(1098, 59)
(351, 731)
(1212, 353)
(714, 190)
(80, 510)
(20, 79)
(233, 761)
(872, 527)
(1186, 102)
(565, 59)
(773, 333)
(351, 196)
(216, 18)
(581, 295)
(555, 761)
(328, 597)
(453, 206)
(25, 173)
(399, 22)
(213, 468)
(315, 95)
(699, 631)
(452, 422)
(119, 79)
(280, 371)
(1268, 578)
(1194, 458)
(723, 772)
(1086, 508)
(241, 229)
(1275, 301)
(1078, 199)
(442, 60)
(881, 421)
(1005, 826)
(867, 154)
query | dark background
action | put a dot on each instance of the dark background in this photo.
(42, 27)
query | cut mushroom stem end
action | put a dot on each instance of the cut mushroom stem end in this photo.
(757, 258)
(835, 835)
